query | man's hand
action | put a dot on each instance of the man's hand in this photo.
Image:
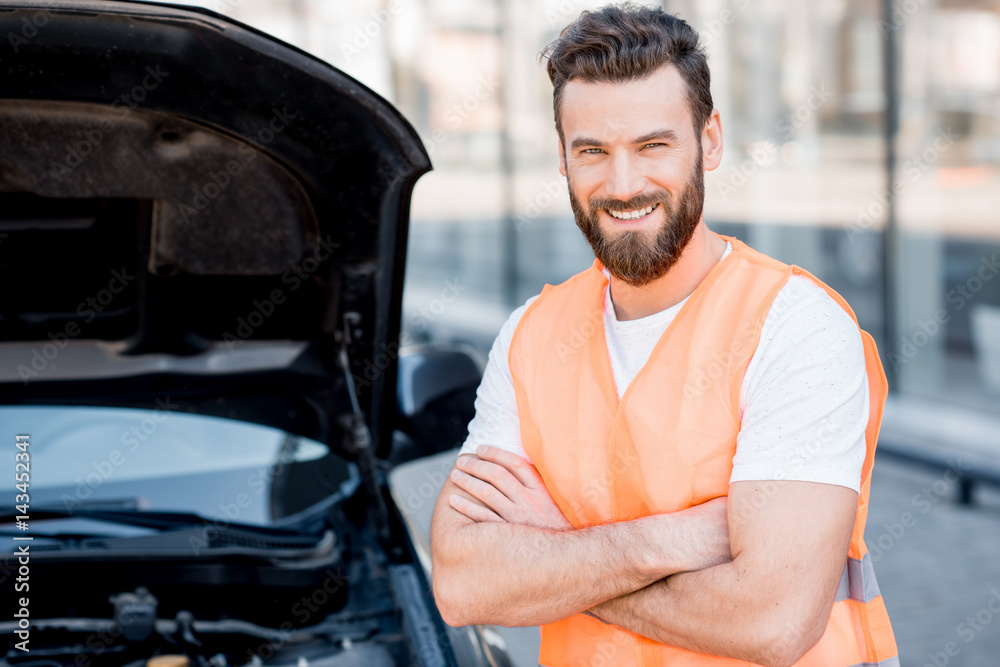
(502, 573)
(512, 566)
(510, 489)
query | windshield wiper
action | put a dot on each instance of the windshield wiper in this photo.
(126, 503)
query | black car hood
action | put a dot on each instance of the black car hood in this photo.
(189, 207)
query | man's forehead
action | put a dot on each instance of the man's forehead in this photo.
(627, 108)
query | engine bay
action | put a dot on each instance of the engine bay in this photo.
(339, 602)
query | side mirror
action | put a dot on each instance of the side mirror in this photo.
(436, 393)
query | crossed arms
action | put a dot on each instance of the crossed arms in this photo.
(751, 577)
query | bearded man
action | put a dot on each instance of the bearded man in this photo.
(671, 454)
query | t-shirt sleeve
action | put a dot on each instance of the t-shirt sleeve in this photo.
(805, 394)
(496, 422)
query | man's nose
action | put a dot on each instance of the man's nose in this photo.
(626, 179)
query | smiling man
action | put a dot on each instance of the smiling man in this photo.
(672, 450)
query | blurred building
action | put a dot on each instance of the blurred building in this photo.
(806, 90)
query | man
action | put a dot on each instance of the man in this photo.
(671, 454)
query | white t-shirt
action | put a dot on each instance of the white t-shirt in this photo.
(803, 402)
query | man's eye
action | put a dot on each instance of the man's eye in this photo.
(654, 145)
(591, 151)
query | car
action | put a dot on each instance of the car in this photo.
(202, 389)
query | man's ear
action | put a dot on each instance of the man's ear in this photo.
(562, 159)
(711, 141)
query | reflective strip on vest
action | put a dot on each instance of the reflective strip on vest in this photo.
(858, 581)
(888, 662)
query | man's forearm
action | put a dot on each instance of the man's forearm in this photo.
(717, 611)
(506, 574)
(503, 553)
(772, 603)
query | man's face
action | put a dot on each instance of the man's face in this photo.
(635, 171)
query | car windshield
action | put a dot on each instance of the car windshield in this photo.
(164, 460)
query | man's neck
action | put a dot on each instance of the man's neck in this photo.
(697, 259)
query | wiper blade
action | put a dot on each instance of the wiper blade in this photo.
(155, 520)
(130, 503)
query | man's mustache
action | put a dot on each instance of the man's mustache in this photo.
(632, 203)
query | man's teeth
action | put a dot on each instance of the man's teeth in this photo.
(632, 215)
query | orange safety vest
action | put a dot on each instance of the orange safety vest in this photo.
(669, 443)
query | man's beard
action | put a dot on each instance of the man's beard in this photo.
(631, 256)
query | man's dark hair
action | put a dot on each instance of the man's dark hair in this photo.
(621, 43)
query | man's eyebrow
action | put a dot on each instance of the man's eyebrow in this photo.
(665, 135)
(668, 136)
(581, 142)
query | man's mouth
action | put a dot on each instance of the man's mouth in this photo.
(631, 216)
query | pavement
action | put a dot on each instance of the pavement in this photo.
(940, 573)
(937, 562)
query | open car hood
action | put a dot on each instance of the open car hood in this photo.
(191, 208)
